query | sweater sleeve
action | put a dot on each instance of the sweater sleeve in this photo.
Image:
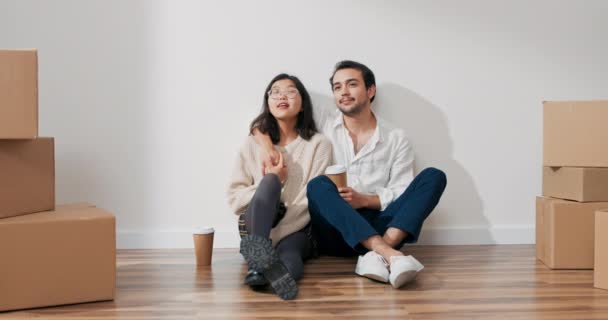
(322, 158)
(242, 187)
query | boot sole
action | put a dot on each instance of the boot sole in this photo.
(258, 253)
(281, 281)
(261, 257)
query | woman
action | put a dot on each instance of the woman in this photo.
(271, 201)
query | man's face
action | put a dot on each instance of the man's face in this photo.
(350, 93)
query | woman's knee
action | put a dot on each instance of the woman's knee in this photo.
(268, 192)
(270, 183)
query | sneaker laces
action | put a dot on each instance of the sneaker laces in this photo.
(381, 258)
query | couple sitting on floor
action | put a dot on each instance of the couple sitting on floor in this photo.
(289, 211)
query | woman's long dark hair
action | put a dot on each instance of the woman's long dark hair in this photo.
(266, 123)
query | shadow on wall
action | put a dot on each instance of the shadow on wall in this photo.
(459, 218)
(461, 207)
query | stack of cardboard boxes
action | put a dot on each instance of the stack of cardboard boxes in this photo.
(48, 255)
(569, 216)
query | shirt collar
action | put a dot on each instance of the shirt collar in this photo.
(380, 125)
(338, 120)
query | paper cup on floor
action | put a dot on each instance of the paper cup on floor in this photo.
(203, 245)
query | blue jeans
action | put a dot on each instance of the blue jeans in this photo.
(338, 228)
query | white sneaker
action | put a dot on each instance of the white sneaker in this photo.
(373, 266)
(404, 269)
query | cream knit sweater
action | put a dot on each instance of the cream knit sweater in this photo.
(305, 161)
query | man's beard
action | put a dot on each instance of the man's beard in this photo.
(355, 110)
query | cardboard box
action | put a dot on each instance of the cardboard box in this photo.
(539, 229)
(18, 94)
(565, 232)
(576, 183)
(600, 272)
(57, 257)
(27, 176)
(575, 134)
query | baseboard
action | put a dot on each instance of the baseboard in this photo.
(169, 239)
(478, 235)
(163, 239)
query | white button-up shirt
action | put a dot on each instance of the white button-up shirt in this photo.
(385, 164)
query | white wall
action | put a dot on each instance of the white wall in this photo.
(149, 100)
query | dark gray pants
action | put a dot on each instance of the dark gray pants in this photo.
(260, 217)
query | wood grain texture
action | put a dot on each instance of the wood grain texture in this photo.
(459, 282)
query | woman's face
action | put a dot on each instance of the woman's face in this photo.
(284, 100)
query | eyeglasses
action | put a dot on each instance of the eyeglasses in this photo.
(276, 94)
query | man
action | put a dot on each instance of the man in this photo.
(384, 206)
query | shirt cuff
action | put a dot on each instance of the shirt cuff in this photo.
(386, 197)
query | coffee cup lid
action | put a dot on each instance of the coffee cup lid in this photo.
(335, 169)
(203, 230)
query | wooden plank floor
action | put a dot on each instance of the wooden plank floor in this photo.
(459, 282)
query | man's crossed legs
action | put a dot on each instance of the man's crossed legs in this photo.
(340, 230)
